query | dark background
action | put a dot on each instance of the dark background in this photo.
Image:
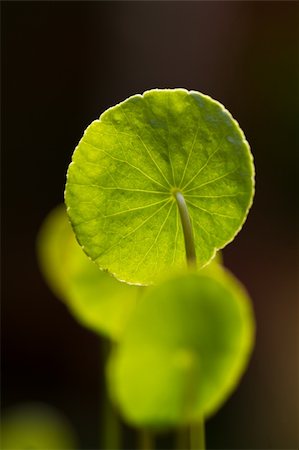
(63, 64)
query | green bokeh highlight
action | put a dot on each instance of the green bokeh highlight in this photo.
(36, 426)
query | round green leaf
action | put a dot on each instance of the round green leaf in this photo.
(96, 299)
(37, 427)
(128, 165)
(184, 349)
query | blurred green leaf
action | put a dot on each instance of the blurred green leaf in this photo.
(36, 426)
(184, 349)
(128, 164)
(52, 240)
(96, 299)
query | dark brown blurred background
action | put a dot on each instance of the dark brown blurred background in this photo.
(63, 64)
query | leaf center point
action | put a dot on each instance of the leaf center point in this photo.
(174, 191)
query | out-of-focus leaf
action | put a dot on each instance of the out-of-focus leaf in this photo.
(96, 299)
(36, 427)
(184, 350)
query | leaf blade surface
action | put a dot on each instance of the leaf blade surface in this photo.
(125, 169)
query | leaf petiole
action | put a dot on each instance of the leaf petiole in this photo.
(197, 433)
(146, 439)
(187, 227)
(197, 436)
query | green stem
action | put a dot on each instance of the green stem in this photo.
(182, 438)
(146, 440)
(197, 436)
(187, 228)
(197, 431)
(111, 438)
(111, 433)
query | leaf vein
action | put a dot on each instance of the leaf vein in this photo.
(157, 237)
(135, 209)
(212, 213)
(125, 162)
(168, 131)
(133, 231)
(216, 196)
(207, 232)
(212, 181)
(202, 168)
(190, 153)
(176, 236)
(135, 129)
(116, 188)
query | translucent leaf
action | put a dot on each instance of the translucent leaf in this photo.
(37, 427)
(184, 349)
(96, 299)
(121, 184)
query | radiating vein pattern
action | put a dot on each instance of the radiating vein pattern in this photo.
(124, 171)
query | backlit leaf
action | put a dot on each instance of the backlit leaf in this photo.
(126, 168)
